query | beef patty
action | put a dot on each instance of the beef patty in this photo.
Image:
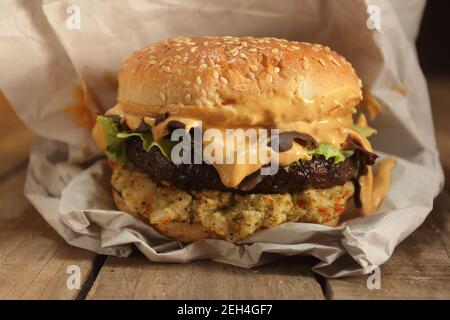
(315, 173)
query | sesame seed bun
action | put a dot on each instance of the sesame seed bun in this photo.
(271, 74)
(233, 82)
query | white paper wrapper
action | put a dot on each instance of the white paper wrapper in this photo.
(43, 61)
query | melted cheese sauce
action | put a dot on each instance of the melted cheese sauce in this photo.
(328, 125)
(330, 128)
(375, 187)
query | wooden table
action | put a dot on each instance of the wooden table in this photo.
(34, 259)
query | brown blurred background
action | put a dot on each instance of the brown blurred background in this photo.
(433, 43)
(433, 47)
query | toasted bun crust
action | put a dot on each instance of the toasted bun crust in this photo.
(216, 71)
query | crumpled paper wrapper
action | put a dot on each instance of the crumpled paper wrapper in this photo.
(45, 63)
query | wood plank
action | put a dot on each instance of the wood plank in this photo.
(418, 269)
(33, 257)
(137, 278)
(16, 138)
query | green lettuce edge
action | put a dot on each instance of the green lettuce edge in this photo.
(116, 139)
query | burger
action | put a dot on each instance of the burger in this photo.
(304, 92)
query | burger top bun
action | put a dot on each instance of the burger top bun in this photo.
(267, 77)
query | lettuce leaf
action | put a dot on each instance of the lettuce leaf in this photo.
(116, 139)
(115, 147)
(364, 131)
(328, 152)
(164, 145)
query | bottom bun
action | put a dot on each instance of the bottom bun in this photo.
(190, 216)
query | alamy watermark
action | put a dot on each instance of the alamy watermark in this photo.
(374, 280)
(73, 281)
(374, 20)
(73, 21)
(229, 146)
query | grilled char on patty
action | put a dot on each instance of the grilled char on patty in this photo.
(316, 173)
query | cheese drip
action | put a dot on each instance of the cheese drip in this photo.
(374, 187)
(328, 125)
(246, 155)
(331, 128)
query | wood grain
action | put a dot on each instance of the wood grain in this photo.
(418, 269)
(33, 257)
(137, 278)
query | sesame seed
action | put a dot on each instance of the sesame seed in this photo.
(305, 63)
(274, 50)
(179, 49)
(269, 78)
(202, 67)
(253, 67)
(187, 97)
(335, 61)
(235, 53)
(253, 49)
(276, 69)
(215, 75)
(327, 49)
(198, 80)
(162, 96)
(186, 83)
(203, 92)
(242, 55)
(295, 47)
(322, 62)
(223, 80)
(152, 62)
(251, 76)
(166, 69)
(206, 43)
(198, 102)
(193, 49)
(360, 83)
(315, 48)
(244, 44)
